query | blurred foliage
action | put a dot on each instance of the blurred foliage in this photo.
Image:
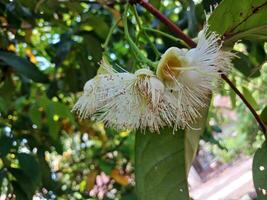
(50, 48)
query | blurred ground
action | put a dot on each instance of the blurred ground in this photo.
(233, 182)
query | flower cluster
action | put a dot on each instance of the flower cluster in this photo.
(173, 96)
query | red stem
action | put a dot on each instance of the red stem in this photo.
(175, 29)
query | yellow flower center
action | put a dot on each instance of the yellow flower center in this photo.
(170, 62)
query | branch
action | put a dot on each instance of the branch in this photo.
(175, 29)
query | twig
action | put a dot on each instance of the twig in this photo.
(175, 39)
(139, 56)
(142, 30)
(105, 45)
(175, 29)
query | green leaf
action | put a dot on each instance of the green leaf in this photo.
(249, 97)
(55, 110)
(3, 106)
(264, 115)
(2, 176)
(47, 181)
(35, 115)
(162, 161)
(179, 151)
(23, 67)
(259, 169)
(7, 90)
(20, 194)
(5, 145)
(256, 52)
(30, 167)
(93, 47)
(241, 20)
(129, 197)
(243, 64)
(52, 124)
(207, 136)
(155, 3)
(160, 167)
(23, 183)
(97, 23)
(106, 166)
(192, 137)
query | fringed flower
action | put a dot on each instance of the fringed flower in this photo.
(126, 101)
(190, 75)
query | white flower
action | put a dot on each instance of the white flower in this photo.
(126, 101)
(190, 75)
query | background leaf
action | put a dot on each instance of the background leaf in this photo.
(243, 64)
(260, 172)
(30, 167)
(249, 97)
(23, 67)
(5, 145)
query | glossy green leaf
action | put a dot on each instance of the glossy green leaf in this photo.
(160, 167)
(260, 172)
(23, 67)
(162, 161)
(241, 19)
